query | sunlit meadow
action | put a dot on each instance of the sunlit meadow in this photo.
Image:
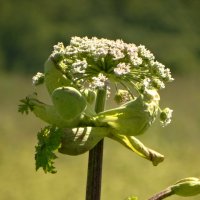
(124, 173)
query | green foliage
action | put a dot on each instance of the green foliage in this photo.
(26, 106)
(49, 140)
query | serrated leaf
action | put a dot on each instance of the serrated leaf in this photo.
(26, 106)
(49, 140)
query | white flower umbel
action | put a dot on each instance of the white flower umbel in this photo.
(85, 58)
(96, 63)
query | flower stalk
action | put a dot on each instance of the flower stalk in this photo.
(162, 195)
(95, 160)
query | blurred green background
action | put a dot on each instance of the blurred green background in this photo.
(29, 29)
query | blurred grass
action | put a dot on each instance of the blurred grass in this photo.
(123, 173)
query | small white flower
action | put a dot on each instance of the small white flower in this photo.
(145, 53)
(165, 116)
(146, 83)
(131, 49)
(158, 84)
(69, 51)
(75, 41)
(121, 69)
(168, 75)
(99, 81)
(59, 47)
(135, 60)
(159, 68)
(117, 54)
(38, 79)
(122, 96)
(100, 52)
(79, 66)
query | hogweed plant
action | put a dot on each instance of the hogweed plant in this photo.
(78, 78)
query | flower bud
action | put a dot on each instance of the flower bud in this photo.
(68, 102)
(187, 187)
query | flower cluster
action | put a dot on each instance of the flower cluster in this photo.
(78, 77)
(94, 61)
(38, 79)
(122, 96)
(165, 116)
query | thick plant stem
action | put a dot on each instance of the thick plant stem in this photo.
(162, 195)
(95, 160)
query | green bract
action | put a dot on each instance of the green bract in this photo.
(79, 140)
(48, 113)
(132, 118)
(75, 74)
(54, 77)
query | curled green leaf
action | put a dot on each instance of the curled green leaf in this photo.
(138, 147)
